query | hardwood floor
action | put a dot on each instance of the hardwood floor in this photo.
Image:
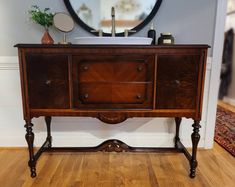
(226, 105)
(216, 168)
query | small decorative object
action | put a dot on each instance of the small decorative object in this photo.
(166, 39)
(127, 5)
(64, 23)
(45, 19)
(152, 34)
(85, 13)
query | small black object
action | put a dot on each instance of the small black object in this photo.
(166, 39)
(152, 34)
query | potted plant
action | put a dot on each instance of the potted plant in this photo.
(45, 19)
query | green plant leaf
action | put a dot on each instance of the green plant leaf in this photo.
(43, 18)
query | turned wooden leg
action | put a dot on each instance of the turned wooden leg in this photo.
(48, 124)
(195, 139)
(30, 138)
(177, 123)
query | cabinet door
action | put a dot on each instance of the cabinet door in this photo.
(48, 85)
(177, 81)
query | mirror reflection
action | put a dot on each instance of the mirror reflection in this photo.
(97, 13)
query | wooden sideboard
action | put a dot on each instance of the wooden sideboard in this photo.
(112, 83)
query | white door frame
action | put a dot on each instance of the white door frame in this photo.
(215, 72)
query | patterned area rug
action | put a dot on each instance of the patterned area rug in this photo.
(225, 129)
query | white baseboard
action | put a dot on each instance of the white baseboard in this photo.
(229, 100)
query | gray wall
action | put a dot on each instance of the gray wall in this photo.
(190, 21)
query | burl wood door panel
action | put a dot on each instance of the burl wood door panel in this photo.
(177, 81)
(48, 85)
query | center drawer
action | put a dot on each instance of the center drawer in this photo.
(113, 68)
(113, 82)
(114, 95)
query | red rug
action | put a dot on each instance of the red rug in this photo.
(225, 129)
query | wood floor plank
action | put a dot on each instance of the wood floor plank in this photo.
(226, 105)
(216, 168)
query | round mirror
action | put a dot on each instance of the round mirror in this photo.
(96, 14)
(64, 23)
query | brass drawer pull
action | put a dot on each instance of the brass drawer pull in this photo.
(139, 68)
(86, 96)
(138, 96)
(85, 68)
(177, 82)
(48, 82)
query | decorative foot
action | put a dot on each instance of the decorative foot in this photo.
(30, 138)
(177, 123)
(32, 169)
(195, 139)
(192, 173)
(48, 124)
(33, 174)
